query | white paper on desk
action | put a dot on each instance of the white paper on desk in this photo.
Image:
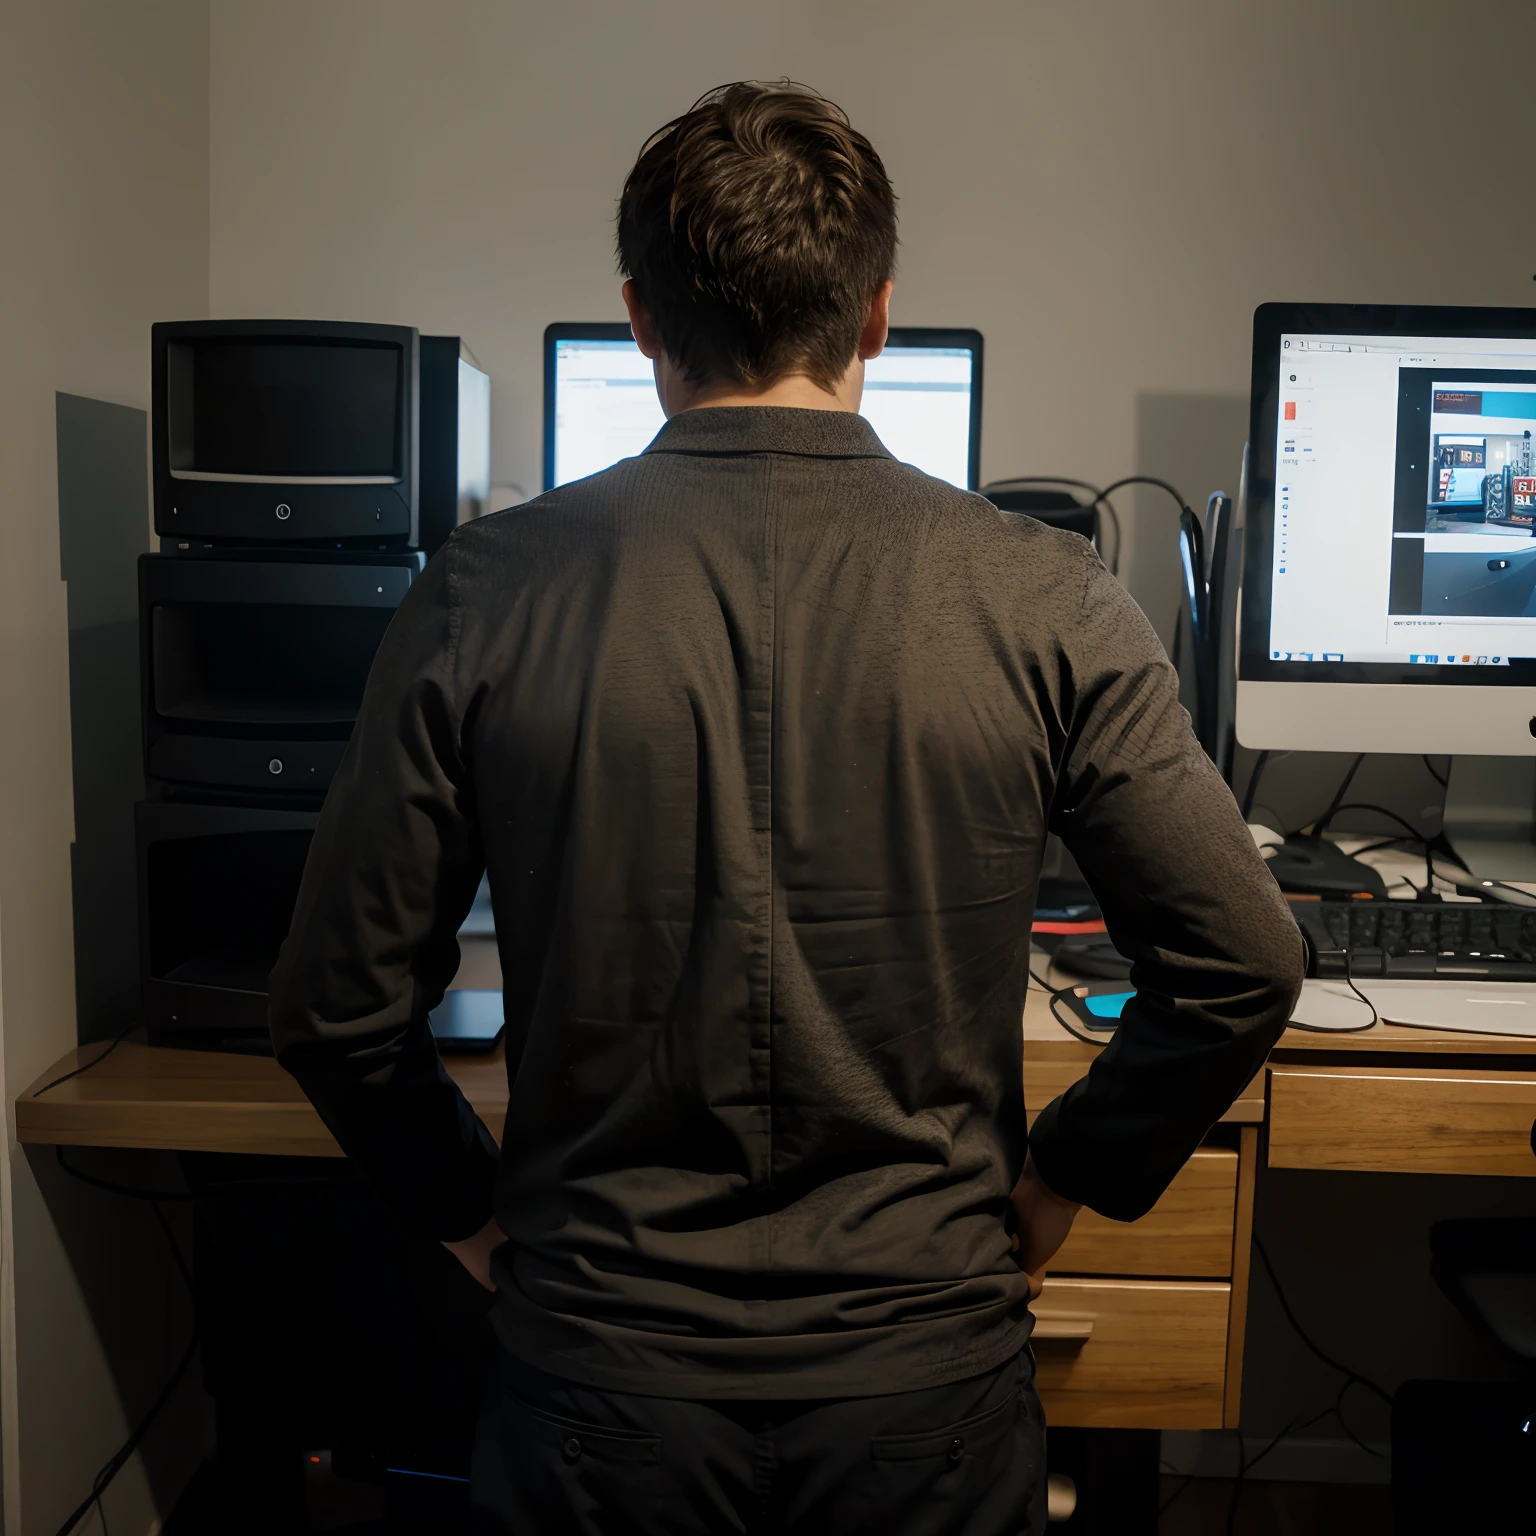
(1468, 1007)
(1329, 1005)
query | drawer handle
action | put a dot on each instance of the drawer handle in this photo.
(1058, 1326)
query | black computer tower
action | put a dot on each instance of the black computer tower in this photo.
(455, 453)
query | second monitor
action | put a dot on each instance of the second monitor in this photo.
(922, 396)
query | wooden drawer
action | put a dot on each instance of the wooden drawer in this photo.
(1132, 1354)
(1402, 1120)
(1046, 1079)
(1187, 1233)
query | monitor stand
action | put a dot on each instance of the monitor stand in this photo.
(1490, 816)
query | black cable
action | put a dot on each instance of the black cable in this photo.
(1162, 485)
(1375, 1017)
(1175, 1496)
(1342, 790)
(1444, 783)
(1319, 826)
(1246, 1464)
(1352, 1029)
(1100, 502)
(1304, 1336)
(112, 1045)
(1056, 993)
(1278, 824)
(1260, 763)
(118, 1189)
(1338, 1413)
(120, 1458)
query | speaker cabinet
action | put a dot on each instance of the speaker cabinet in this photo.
(217, 888)
(253, 663)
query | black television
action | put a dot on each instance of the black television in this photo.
(286, 432)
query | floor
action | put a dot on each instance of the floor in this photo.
(1203, 1506)
(1194, 1507)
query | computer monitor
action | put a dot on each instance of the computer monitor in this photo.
(1389, 583)
(1389, 586)
(922, 395)
(286, 432)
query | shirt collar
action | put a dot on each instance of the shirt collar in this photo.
(732, 429)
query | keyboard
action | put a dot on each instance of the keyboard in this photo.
(1449, 941)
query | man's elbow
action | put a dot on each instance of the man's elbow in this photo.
(288, 1019)
(1279, 965)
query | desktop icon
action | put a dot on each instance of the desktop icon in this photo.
(1482, 661)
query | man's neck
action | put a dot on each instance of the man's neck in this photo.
(795, 391)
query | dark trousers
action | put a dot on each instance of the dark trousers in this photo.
(966, 1459)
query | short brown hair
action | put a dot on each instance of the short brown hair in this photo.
(757, 227)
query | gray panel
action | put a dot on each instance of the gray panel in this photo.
(103, 528)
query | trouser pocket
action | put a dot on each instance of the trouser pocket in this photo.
(537, 1471)
(951, 1445)
(976, 1474)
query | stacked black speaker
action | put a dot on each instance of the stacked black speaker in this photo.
(303, 474)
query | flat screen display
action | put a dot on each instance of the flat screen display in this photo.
(286, 410)
(921, 396)
(1404, 505)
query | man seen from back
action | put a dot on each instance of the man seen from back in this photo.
(759, 736)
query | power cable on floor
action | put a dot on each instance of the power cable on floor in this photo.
(1353, 1376)
(120, 1458)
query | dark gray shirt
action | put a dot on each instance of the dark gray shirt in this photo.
(759, 736)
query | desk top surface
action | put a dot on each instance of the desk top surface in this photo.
(156, 1096)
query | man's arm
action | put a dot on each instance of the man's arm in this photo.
(1216, 959)
(391, 874)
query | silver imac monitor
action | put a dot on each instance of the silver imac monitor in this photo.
(1389, 581)
(922, 395)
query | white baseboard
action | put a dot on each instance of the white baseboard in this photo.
(1296, 1459)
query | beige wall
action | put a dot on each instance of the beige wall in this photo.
(1106, 189)
(103, 228)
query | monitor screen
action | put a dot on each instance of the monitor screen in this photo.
(922, 395)
(284, 409)
(1399, 526)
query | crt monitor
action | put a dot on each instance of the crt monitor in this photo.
(286, 432)
(922, 395)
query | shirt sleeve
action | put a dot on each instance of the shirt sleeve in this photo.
(1216, 959)
(392, 873)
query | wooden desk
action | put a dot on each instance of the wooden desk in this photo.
(206, 1101)
(1140, 1326)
